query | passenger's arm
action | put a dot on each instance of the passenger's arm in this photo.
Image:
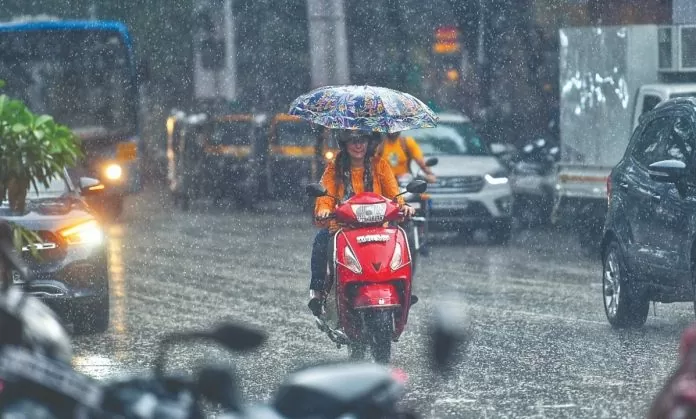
(388, 182)
(417, 156)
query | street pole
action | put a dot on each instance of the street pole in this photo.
(328, 45)
(229, 84)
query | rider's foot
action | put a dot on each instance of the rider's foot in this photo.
(414, 299)
(316, 302)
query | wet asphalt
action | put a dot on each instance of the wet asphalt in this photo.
(540, 347)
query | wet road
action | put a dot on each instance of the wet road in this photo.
(541, 344)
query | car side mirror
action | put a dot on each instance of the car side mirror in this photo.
(417, 186)
(90, 186)
(315, 190)
(431, 161)
(668, 171)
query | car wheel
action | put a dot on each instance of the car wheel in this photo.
(94, 318)
(623, 304)
(501, 232)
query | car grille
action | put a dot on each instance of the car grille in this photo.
(50, 250)
(458, 184)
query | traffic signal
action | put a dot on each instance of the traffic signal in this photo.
(446, 40)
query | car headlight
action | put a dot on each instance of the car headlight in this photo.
(497, 178)
(85, 233)
(113, 171)
(370, 213)
(329, 155)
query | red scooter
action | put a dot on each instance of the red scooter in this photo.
(369, 274)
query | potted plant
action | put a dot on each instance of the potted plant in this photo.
(33, 148)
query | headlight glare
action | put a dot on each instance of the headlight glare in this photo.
(85, 233)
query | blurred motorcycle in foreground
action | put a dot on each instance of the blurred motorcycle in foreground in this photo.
(38, 381)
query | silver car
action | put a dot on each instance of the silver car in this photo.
(472, 190)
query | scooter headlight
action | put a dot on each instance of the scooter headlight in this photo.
(396, 258)
(370, 213)
(351, 261)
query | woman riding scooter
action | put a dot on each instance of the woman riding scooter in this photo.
(355, 169)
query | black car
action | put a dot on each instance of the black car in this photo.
(69, 268)
(648, 249)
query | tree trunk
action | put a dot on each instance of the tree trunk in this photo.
(17, 194)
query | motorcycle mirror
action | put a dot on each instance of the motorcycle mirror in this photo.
(236, 337)
(432, 161)
(417, 186)
(232, 336)
(315, 190)
(450, 334)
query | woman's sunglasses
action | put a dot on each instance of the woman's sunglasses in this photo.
(355, 137)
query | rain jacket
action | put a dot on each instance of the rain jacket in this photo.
(384, 184)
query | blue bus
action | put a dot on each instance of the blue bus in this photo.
(83, 73)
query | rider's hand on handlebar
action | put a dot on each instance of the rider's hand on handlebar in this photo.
(323, 214)
(408, 211)
(430, 178)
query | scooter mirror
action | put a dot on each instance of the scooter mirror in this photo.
(236, 337)
(315, 190)
(417, 186)
(432, 161)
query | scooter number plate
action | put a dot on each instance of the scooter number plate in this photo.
(415, 205)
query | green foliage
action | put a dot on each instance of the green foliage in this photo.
(22, 236)
(33, 147)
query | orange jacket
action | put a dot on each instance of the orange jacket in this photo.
(384, 184)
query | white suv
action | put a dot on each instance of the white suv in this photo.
(472, 188)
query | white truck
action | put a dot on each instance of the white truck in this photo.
(609, 76)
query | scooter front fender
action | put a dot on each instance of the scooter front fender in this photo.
(382, 295)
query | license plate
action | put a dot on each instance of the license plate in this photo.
(17, 278)
(450, 203)
(528, 182)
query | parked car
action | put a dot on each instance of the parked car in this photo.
(472, 190)
(69, 267)
(649, 240)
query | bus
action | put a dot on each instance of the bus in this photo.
(83, 73)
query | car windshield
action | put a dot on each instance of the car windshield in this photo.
(687, 94)
(81, 78)
(57, 187)
(448, 140)
(295, 134)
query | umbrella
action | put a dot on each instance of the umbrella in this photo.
(366, 108)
